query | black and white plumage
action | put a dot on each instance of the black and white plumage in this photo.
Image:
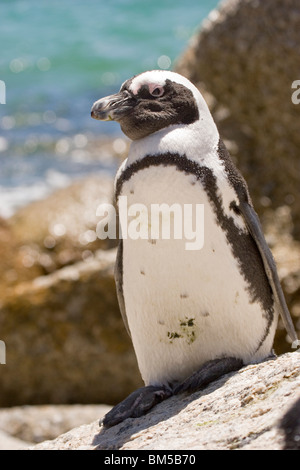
(192, 315)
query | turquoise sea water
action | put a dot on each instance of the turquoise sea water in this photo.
(57, 58)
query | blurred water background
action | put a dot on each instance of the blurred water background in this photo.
(56, 59)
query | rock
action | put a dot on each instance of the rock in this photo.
(65, 338)
(59, 315)
(286, 252)
(11, 443)
(34, 424)
(61, 229)
(12, 267)
(245, 59)
(242, 410)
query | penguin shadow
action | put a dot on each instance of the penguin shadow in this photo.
(116, 436)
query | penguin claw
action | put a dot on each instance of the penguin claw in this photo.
(210, 371)
(136, 404)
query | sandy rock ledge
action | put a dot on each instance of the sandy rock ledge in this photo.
(255, 408)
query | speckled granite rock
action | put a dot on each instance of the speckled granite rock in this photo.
(246, 56)
(242, 411)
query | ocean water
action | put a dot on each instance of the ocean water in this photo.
(56, 59)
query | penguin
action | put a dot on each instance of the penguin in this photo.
(193, 315)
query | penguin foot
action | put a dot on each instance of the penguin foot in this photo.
(136, 404)
(209, 372)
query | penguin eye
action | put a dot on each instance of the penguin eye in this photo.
(156, 91)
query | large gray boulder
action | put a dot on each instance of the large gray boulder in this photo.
(246, 56)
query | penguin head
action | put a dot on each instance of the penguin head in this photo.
(150, 102)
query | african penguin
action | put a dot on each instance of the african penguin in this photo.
(192, 315)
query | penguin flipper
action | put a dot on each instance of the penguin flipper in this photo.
(119, 284)
(255, 229)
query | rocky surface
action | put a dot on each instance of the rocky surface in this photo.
(245, 59)
(247, 410)
(12, 267)
(33, 424)
(65, 339)
(286, 252)
(59, 315)
(55, 232)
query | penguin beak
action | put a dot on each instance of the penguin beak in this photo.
(113, 107)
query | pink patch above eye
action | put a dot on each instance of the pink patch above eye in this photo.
(157, 89)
